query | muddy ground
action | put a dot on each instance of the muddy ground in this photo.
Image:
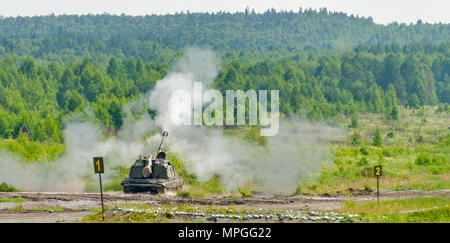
(72, 207)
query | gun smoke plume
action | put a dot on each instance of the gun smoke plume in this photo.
(298, 150)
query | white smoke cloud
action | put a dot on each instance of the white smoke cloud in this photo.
(83, 141)
(299, 149)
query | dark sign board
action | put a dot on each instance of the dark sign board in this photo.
(378, 170)
(98, 165)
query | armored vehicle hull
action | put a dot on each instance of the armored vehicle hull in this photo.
(161, 177)
(131, 185)
(153, 175)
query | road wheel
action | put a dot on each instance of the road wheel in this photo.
(126, 189)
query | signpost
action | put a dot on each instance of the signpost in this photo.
(378, 171)
(100, 169)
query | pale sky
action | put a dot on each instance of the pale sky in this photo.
(382, 11)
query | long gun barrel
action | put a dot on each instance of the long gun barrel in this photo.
(165, 134)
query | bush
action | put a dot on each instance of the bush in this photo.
(245, 192)
(33, 151)
(386, 153)
(419, 139)
(183, 194)
(425, 159)
(391, 134)
(356, 138)
(254, 135)
(437, 170)
(377, 141)
(364, 150)
(367, 187)
(354, 122)
(350, 204)
(7, 188)
(363, 161)
(213, 185)
(367, 171)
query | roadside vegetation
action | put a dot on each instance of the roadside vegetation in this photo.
(12, 200)
(7, 188)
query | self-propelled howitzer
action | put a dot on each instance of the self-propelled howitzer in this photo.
(153, 175)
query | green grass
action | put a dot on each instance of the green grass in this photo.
(428, 183)
(396, 206)
(423, 167)
(12, 200)
(417, 210)
(440, 215)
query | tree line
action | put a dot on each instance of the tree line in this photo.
(317, 83)
(159, 37)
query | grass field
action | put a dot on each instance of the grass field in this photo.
(416, 155)
(417, 210)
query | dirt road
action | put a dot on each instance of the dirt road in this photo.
(70, 207)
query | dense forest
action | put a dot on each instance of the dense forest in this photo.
(157, 37)
(324, 64)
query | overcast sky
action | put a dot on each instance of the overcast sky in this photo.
(382, 11)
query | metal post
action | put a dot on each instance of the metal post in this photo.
(101, 195)
(378, 189)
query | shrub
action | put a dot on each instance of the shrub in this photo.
(350, 204)
(367, 171)
(425, 159)
(364, 150)
(7, 188)
(386, 153)
(391, 134)
(377, 141)
(254, 135)
(356, 138)
(354, 123)
(183, 194)
(363, 161)
(436, 169)
(394, 113)
(213, 185)
(419, 139)
(245, 192)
